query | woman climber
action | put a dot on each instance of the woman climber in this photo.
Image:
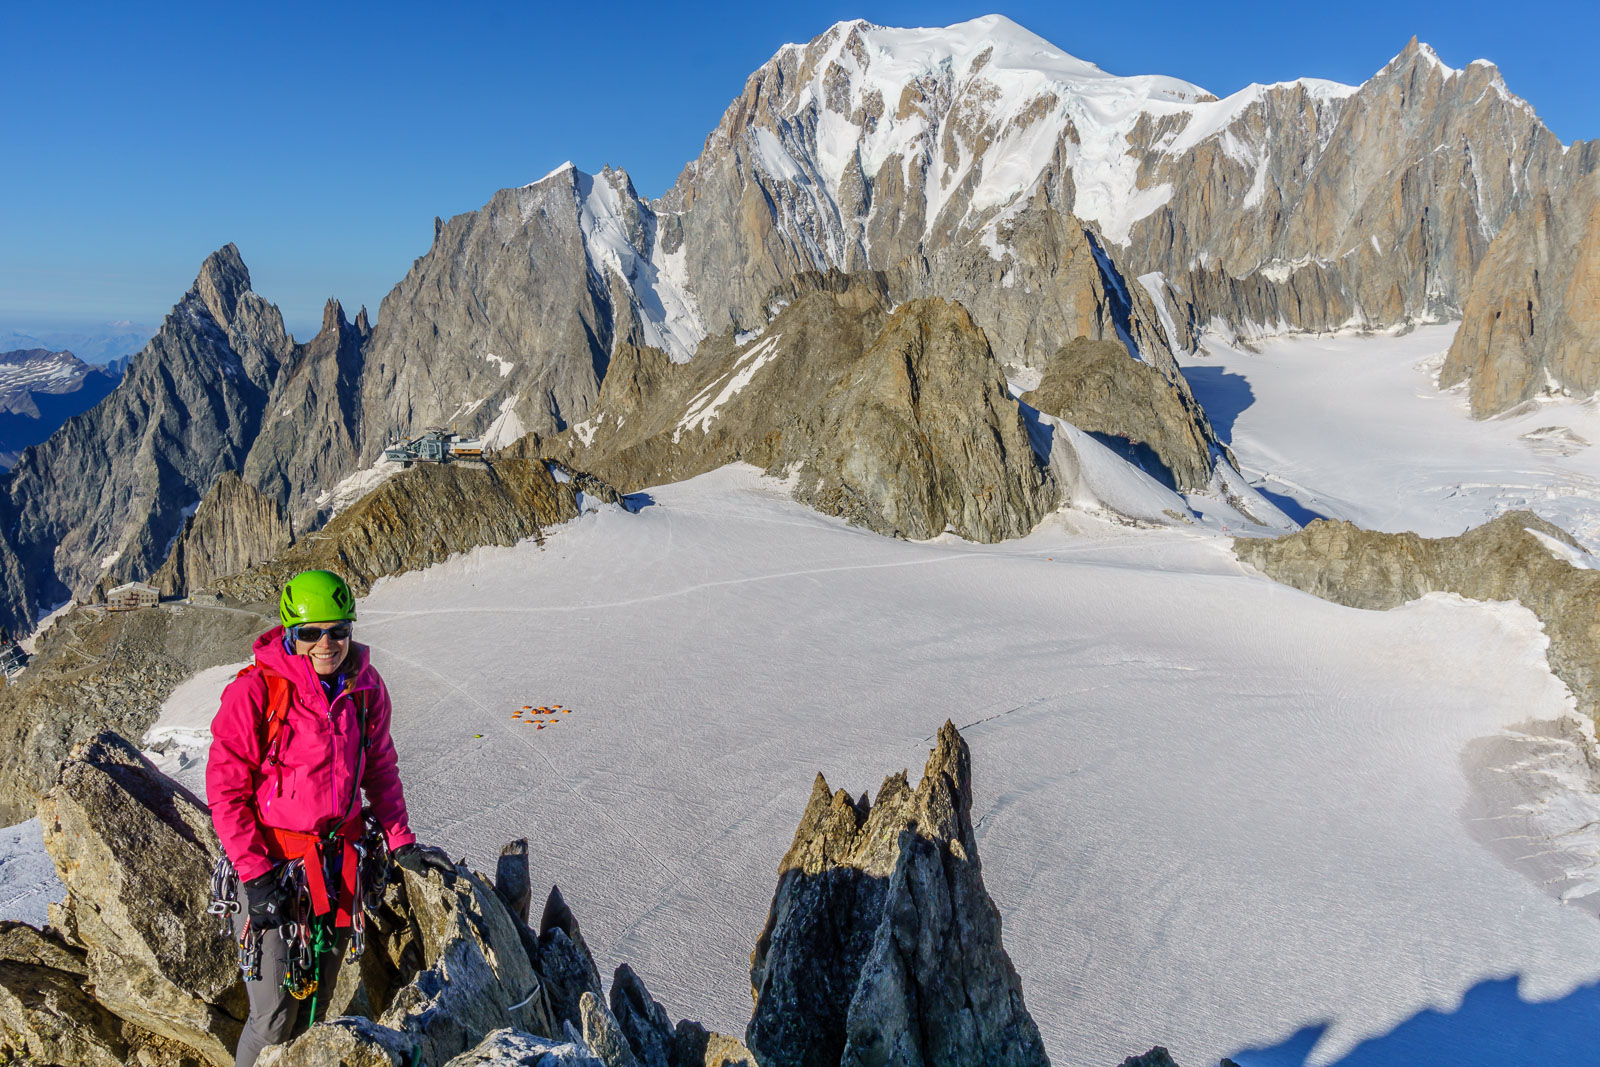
(301, 734)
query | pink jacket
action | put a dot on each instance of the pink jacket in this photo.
(313, 788)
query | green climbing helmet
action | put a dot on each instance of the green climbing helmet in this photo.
(316, 596)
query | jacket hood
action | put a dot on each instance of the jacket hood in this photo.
(269, 653)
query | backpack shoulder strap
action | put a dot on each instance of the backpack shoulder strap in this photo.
(277, 704)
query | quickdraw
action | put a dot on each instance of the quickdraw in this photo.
(225, 905)
(306, 935)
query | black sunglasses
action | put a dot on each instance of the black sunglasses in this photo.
(312, 634)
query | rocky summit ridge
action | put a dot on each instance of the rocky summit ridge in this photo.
(882, 947)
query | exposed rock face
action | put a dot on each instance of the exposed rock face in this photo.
(602, 1034)
(1096, 386)
(348, 1041)
(221, 387)
(477, 979)
(642, 1020)
(234, 528)
(1501, 560)
(307, 437)
(882, 945)
(563, 958)
(1310, 205)
(105, 495)
(124, 838)
(420, 517)
(96, 672)
(695, 1046)
(508, 1048)
(508, 322)
(900, 422)
(1531, 325)
(40, 390)
(48, 1016)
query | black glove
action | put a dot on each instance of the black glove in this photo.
(419, 859)
(268, 901)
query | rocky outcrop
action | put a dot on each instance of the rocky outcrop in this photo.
(446, 966)
(900, 421)
(1531, 324)
(1517, 556)
(642, 1020)
(421, 517)
(48, 1016)
(695, 1046)
(1096, 386)
(95, 671)
(234, 528)
(882, 945)
(563, 958)
(123, 837)
(508, 1048)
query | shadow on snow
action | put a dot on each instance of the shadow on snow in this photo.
(1494, 1027)
(1289, 505)
(1223, 394)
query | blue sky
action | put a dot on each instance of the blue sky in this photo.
(323, 139)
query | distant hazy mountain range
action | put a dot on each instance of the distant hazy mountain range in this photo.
(106, 343)
(977, 164)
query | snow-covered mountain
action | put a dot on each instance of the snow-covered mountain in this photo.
(30, 371)
(981, 163)
(40, 390)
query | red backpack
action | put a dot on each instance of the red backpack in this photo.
(278, 701)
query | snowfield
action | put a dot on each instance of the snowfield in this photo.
(1355, 427)
(1216, 813)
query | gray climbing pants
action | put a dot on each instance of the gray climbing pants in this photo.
(276, 1016)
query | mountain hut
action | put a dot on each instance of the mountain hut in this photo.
(131, 597)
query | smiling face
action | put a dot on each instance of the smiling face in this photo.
(328, 651)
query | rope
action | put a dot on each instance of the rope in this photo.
(321, 941)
